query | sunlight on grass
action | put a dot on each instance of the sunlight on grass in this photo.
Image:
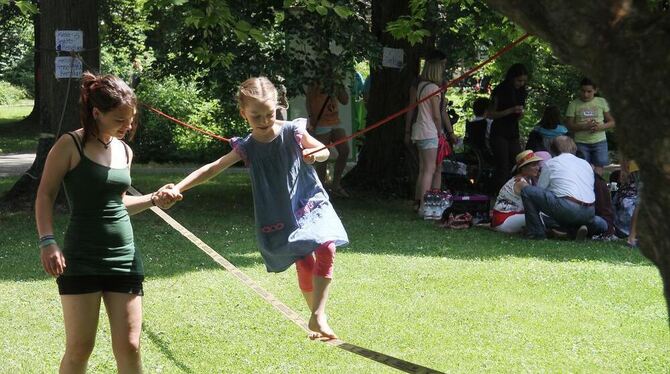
(456, 301)
(12, 138)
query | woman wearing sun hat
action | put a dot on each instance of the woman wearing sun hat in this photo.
(508, 215)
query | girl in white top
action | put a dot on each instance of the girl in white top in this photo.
(428, 128)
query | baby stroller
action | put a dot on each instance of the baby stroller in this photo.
(470, 170)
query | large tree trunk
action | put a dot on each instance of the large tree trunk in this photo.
(58, 98)
(623, 46)
(383, 161)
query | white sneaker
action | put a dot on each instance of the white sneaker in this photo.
(428, 212)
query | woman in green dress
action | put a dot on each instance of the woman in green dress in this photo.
(98, 260)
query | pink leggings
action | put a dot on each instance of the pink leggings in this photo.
(308, 267)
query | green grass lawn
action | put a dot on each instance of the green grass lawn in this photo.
(14, 138)
(465, 301)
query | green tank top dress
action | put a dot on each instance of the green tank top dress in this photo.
(99, 238)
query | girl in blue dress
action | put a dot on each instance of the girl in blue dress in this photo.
(295, 221)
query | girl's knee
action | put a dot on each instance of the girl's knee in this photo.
(128, 350)
(305, 268)
(325, 259)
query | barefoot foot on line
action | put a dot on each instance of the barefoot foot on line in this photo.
(320, 328)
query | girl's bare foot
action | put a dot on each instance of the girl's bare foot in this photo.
(320, 328)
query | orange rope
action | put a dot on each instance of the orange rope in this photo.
(441, 89)
(378, 123)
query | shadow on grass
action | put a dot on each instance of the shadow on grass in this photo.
(221, 214)
(164, 347)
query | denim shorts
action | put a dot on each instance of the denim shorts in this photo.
(596, 153)
(82, 284)
(430, 143)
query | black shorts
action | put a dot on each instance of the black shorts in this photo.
(81, 284)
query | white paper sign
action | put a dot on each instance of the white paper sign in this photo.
(393, 58)
(69, 40)
(68, 67)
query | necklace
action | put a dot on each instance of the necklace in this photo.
(106, 145)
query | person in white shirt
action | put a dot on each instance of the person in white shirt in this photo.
(564, 192)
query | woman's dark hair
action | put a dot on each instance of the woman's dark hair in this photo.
(587, 82)
(514, 71)
(480, 105)
(551, 117)
(105, 92)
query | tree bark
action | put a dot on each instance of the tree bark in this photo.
(623, 46)
(383, 162)
(58, 98)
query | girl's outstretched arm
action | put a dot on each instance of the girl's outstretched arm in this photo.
(309, 145)
(207, 172)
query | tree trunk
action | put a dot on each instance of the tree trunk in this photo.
(382, 163)
(58, 98)
(623, 46)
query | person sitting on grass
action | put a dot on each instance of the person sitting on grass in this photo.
(549, 127)
(626, 202)
(508, 215)
(564, 193)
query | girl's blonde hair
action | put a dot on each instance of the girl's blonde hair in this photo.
(433, 71)
(258, 88)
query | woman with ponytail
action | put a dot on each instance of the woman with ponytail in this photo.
(98, 260)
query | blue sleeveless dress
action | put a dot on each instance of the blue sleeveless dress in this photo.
(293, 213)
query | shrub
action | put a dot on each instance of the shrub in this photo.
(10, 94)
(159, 139)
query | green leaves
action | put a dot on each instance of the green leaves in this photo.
(26, 7)
(408, 28)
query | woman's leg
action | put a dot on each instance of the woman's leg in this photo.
(322, 167)
(323, 275)
(80, 314)
(512, 224)
(436, 184)
(426, 172)
(125, 321)
(342, 156)
(501, 153)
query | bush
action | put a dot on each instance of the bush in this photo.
(159, 139)
(10, 94)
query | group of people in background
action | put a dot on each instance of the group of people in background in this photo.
(555, 186)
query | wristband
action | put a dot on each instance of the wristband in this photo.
(46, 242)
(152, 199)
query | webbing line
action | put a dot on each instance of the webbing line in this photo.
(382, 358)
